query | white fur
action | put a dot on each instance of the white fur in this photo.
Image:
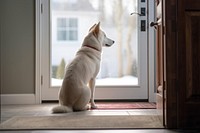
(75, 93)
(62, 109)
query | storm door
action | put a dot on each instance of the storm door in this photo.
(124, 70)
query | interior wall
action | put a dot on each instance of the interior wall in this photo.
(17, 21)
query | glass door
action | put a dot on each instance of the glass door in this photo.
(65, 23)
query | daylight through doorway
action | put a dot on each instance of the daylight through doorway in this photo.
(70, 22)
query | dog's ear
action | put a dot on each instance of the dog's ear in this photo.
(92, 27)
(96, 29)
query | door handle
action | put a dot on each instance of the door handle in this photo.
(153, 24)
(137, 14)
(142, 12)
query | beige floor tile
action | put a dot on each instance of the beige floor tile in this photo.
(9, 111)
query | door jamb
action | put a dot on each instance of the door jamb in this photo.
(37, 52)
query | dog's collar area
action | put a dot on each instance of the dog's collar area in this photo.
(92, 47)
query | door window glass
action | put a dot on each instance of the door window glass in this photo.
(70, 22)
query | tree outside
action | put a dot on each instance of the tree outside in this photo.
(61, 69)
(120, 14)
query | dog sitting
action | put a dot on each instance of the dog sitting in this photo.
(74, 94)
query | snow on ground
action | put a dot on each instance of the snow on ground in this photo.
(123, 81)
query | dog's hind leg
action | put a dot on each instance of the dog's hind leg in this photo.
(92, 87)
(82, 103)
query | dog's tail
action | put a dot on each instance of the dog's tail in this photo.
(62, 109)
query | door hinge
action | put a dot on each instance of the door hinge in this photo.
(41, 79)
(41, 8)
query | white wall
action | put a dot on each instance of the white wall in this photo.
(17, 46)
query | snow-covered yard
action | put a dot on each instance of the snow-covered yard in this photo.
(123, 81)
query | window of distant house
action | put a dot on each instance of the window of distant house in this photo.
(67, 29)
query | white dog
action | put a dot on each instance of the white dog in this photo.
(74, 94)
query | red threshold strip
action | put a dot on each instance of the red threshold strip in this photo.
(125, 105)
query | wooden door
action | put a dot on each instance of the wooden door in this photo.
(182, 41)
(188, 59)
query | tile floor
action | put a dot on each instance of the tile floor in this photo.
(8, 111)
(107, 131)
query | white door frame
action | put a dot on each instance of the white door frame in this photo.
(151, 50)
(38, 51)
(41, 11)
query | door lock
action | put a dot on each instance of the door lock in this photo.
(143, 25)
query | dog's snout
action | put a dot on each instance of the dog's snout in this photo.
(113, 41)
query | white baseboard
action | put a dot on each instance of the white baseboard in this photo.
(18, 99)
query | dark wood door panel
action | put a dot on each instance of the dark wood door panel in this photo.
(192, 5)
(188, 63)
(193, 56)
(171, 62)
(183, 63)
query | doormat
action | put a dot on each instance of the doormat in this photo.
(124, 105)
(70, 121)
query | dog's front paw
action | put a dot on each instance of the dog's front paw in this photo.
(93, 106)
(87, 107)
